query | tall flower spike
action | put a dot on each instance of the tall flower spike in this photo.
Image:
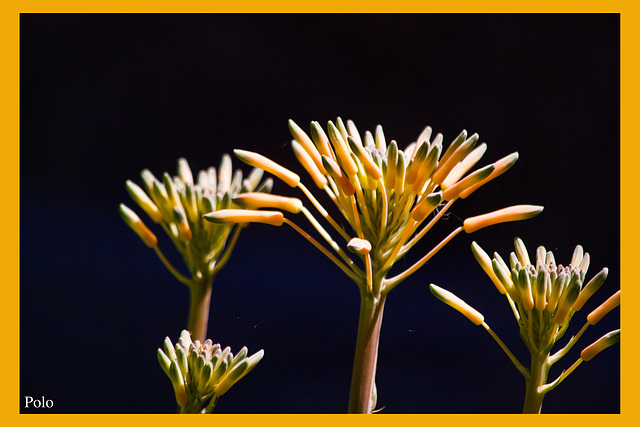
(546, 298)
(201, 372)
(178, 205)
(386, 200)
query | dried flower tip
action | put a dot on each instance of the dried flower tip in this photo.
(603, 342)
(453, 301)
(134, 222)
(513, 213)
(485, 262)
(265, 200)
(260, 161)
(242, 216)
(596, 315)
(359, 246)
(590, 288)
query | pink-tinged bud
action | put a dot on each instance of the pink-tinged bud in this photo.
(605, 341)
(134, 222)
(266, 200)
(260, 161)
(359, 246)
(453, 301)
(513, 213)
(243, 216)
(596, 315)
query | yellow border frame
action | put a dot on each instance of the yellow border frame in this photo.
(9, 25)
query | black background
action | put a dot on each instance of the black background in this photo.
(104, 96)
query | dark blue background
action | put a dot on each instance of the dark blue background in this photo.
(104, 96)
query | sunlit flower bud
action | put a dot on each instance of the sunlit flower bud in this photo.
(602, 343)
(190, 203)
(365, 158)
(359, 246)
(184, 171)
(477, 176)
(341, 179)
(578, 253)
(504, 276)
(416, 164)
(541, 254)
(524, 287)
(205, 377)
(392, 155)
(183, 225)
(453, 301)
(309, 165)
(446, 165)
(321, 140)
(353, 131)
(400, 173)
(596, 315)
(464, 166)
(420, 212)
(305, 142)
(423, 139)
(521, 251)
(566, 302)
(148, 178)
(242, 216)
(237, 373)
(543, 281)
(259, 161)
(485, 262)
(590, 288)
(265, 200)
(342, 128)
(134, 222)
(457, 142)
(147, 205)
(584, 264)
(381, 143)
(501, 166)
(254, 178)
(165, 362)
(225, 173)
(181, 352)
(342, 150)
(551, 260)
(172, 192)
(266, 186)
(178, 383)
(427, 167)
(513, 213)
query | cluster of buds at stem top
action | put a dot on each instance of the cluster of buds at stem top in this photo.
(389, 197)
(543, 296)
(178, 203)
(202, 372)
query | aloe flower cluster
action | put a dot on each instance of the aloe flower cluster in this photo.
(388, 197)
(177, 204)
(202, 372)
(543, 297)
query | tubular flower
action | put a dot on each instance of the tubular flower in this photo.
(177, 204)
(387, 199)
(202, 372)
(544, 296)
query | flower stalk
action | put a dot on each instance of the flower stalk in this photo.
(543, 298)
(388, 200)
(177, 204)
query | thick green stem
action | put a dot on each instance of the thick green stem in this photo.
(537, 377)
(366, 357)
(199, 309)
